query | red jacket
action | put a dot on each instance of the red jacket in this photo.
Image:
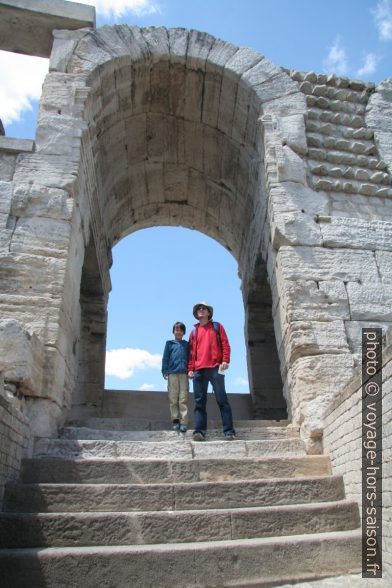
(204, 348)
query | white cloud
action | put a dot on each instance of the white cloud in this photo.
(22, 76)
(241, 382)
(118, 8)
(147, 387)
(122, 363)
(369, 64)
(336, 60)
(383, 20)
(21, 82)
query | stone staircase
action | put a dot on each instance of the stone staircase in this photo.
(105, 505)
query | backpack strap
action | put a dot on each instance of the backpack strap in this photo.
(216, 328)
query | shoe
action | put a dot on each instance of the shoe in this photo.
(198, 436)
(176, 426)
(183, 428)
(230, 437)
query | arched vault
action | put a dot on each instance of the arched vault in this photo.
(155, 126)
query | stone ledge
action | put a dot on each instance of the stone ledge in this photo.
(16, 145)
(26, 27)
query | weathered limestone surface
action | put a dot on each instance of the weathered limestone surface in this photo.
(159, 508)
(290, 171)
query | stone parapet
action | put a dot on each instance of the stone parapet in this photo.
(343, 443)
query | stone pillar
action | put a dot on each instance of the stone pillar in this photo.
(265, 380)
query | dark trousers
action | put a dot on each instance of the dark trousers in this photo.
(200, 386)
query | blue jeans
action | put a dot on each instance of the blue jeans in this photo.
(200, 385)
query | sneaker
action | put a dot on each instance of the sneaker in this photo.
(176, 426)
(230, 436)
(198, 436)
(183, 428)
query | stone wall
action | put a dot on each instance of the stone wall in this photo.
(163, 136)
(15, 437)
(331, 230)
(289, 171)
(32, 231)
(342, 441)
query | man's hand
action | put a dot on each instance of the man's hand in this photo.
(190, 375)
(224, 365)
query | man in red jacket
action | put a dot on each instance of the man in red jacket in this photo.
(209, 357)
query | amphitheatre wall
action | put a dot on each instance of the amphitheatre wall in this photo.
(289, 171)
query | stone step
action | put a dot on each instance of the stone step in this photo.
(129, 424)
(214, 564)
(170, 435)
(148, 471)
(178, 448)
(346, 581)
(124, 528)
(151, 497)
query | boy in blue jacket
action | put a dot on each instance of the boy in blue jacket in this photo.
(175, 370)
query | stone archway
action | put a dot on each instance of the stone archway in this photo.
(153, 126)
(174, 139)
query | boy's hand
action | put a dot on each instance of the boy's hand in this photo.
(190, 375)
(166, 376)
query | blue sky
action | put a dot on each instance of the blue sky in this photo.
(156, 272)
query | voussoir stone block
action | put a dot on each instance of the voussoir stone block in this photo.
(219, 54)
(242, 60)
(199, 46)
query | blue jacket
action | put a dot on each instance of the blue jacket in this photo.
(175, 357)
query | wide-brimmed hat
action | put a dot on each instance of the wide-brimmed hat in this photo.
(208, 306)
